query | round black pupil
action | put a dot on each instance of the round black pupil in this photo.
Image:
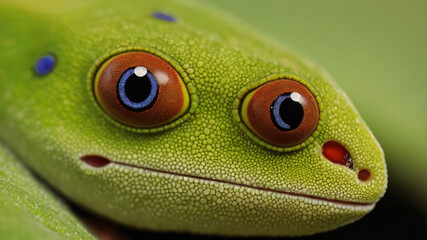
(287, 114)
(291, 113)
(137, 89)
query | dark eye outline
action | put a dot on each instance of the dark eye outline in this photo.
(192, 92)
(244, 92)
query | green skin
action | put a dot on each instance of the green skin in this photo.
(234, 183)
(341, 35)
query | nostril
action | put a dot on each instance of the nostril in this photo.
(95, 160)
(337, 153)
(364, 175)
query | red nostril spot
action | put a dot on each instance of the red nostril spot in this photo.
(364, 175)
(95, 160)
(336, 153)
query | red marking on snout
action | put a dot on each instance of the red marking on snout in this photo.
(95, 160)
(337, 153)
(364, 175)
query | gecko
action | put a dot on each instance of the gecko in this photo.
(171, 116)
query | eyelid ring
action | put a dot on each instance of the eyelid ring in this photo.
(185, 78)
(247, 90)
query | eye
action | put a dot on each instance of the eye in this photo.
(141, 90)
(283, 112)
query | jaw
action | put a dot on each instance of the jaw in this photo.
(156, 199)
(98, 161)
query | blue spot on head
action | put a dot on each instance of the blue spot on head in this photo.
(45, 65)
(163, 16)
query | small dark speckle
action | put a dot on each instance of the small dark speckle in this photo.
(163, 16)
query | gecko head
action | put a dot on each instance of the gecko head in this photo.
(178, 122)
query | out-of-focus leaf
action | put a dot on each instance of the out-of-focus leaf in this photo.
(28, 210)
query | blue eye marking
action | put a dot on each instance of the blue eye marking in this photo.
(45, 65)
(163, 16)
(287, 112)
(137, 89)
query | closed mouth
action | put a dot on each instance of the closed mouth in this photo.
(100, 161)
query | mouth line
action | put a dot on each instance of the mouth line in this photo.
(98, 161)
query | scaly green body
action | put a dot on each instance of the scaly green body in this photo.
(204, 175)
